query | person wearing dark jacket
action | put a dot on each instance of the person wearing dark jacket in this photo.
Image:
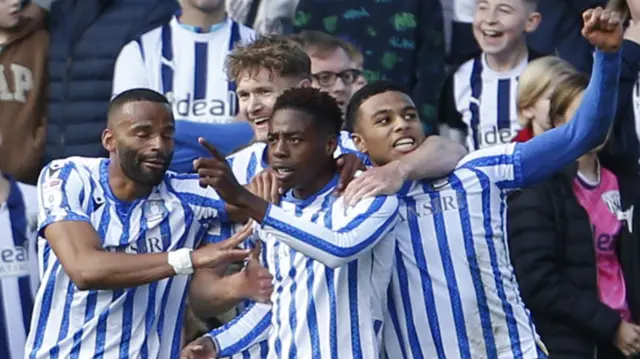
(86, 37)
(573, 242)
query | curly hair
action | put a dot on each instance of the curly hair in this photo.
(276, 53)
(319, 105)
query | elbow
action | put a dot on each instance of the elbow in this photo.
(84, 278)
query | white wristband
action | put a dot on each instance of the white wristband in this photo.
(180, 260)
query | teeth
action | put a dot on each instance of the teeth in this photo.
(261, 120)
(404, 142)
(491, 33)
(284, 170)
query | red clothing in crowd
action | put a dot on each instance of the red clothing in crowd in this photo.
(524, 135)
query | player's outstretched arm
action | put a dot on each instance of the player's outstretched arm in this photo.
(368, 222)
(553, 150)
(67, 227)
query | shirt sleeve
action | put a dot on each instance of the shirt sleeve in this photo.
(205, 202)
(249, 328)
(358, 229)
(130, 71)
(60, 189)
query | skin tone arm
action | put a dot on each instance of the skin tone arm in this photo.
(436, 157)
(77, 246)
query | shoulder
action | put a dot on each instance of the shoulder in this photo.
(247, 34)
(83, 166)
(247, 152)
(490, 156)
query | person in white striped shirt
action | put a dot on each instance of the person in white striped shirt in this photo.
(18, 266)
(262, 71)
(118, 239)
(331, 263)
(453, 292)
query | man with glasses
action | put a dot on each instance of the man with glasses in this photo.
(332, 68)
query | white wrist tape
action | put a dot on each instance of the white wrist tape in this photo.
(181, 262)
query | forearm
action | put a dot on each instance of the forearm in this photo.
(333, 247)
(436, 157)
(585, 131)
(107, 270)
(249, 328)
(214, 295)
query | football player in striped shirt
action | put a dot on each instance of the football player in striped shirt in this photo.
(453, 292)
(18, 267)
(477, 101)
(117, 243)
(331, 263)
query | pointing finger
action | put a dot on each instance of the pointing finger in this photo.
(214, 152)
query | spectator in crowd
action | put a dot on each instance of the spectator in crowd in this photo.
(402, 41)
(535, 88)
(266, 17)
(558, 33)
(478, 99)
(575, 249)
(184, 59)
(122, 236)
(18, 266)
(357, 62)
(332, 64)
(86, 37)
(24, 45)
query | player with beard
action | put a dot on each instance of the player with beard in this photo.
(118, 238)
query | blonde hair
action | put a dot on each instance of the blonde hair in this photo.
(538, 78)
(564, 95)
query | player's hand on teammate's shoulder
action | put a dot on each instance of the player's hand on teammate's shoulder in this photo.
(348, 165)
(220, 255)
(603, 28)
(201, 348)
(266, 186)
(376, 181)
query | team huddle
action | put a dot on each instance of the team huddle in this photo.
(417, 269)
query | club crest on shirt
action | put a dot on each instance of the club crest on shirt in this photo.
(612, 200)
(154, 209)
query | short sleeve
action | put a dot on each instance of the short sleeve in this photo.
(130, 71)
(60, 192)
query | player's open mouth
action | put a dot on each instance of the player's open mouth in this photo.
(283, 173)
(404, 144)
(260, 121)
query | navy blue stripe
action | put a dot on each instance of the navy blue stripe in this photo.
(293, 320)
(352, 280)
(425, 279)
(166, 72)
(235, 38)
(4, 338)
(512, 325)
(474, 106)
(504, 105)
(450, 277)
(200, 75)
(474, 268)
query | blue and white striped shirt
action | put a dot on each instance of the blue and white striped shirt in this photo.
(332, 267)
(18, 267)
(144, 321)
(454, 293)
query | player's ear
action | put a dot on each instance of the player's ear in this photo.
(304, 83)
(533, 20)
(108, 141)
(332, 144)
(359, 141)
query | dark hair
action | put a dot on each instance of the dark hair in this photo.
(364, 94)
(319, 105)
(135, 95)
(317, 43)
(276, 53)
